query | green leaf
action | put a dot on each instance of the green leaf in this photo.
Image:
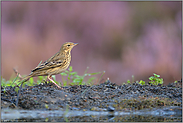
(65, 83)
(142, 82)
(81, 83)
(16, 89)
(161, 82)
(128, 81)
(73, 73)
(151, 78)
(155, 80)
(156, 75)
(66, 71)
(40, 78)
(77, 80)
(15, 79)
(3, 82)
(47, 119)
(39, 82)
(70, 68)
(86, 70)
(4, 90)
(101, 76)
(13, 85)
(63, 74)
(24, 84)
(46, 106)
(54, 77)
(31, 80)
(90, 79)
(93, 73)
(77, 76)
(8, 84)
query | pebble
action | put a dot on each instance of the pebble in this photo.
(110, 108)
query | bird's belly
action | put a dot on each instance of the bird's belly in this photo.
(55, 71)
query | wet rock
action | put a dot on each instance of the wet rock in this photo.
(110, 108)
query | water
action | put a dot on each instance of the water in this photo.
(172, 113)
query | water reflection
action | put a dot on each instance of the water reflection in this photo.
(172, 113)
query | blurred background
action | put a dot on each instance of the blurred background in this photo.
(120, 38)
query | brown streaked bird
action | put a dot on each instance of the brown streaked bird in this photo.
(54, 65)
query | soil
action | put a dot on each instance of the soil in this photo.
(106, 96)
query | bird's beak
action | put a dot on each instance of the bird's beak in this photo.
(75, 44)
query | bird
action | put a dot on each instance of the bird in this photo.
(54, 65)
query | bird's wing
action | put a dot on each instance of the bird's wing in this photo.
(55, 61)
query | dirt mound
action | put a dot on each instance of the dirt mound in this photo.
(106, 96)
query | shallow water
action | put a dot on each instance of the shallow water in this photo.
(172, 113)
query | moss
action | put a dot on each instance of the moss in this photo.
(145, 103)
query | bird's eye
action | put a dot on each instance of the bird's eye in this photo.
(68, 45)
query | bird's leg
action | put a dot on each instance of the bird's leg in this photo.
(49, 78)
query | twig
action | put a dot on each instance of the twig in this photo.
(19, 94)
(16, 72)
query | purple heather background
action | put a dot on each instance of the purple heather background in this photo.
(122, 38)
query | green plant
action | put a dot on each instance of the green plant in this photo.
(46, 106)
(76, 79)
(155, 80)
(142, 82)
(132, 78)
(11, 82)
(3, 82)
(40, 79)
(67, 77)
(47, 119)
(66, 113)
(128, 81)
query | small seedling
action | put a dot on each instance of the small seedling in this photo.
(142, 82)
(47, 119)
(46, 106)
(132, 78)
(128, 81)
(66, 113)
(155, 80)
(31, 81)
(40, 79)
(74, 79)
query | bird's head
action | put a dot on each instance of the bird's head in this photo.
(68, 46)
